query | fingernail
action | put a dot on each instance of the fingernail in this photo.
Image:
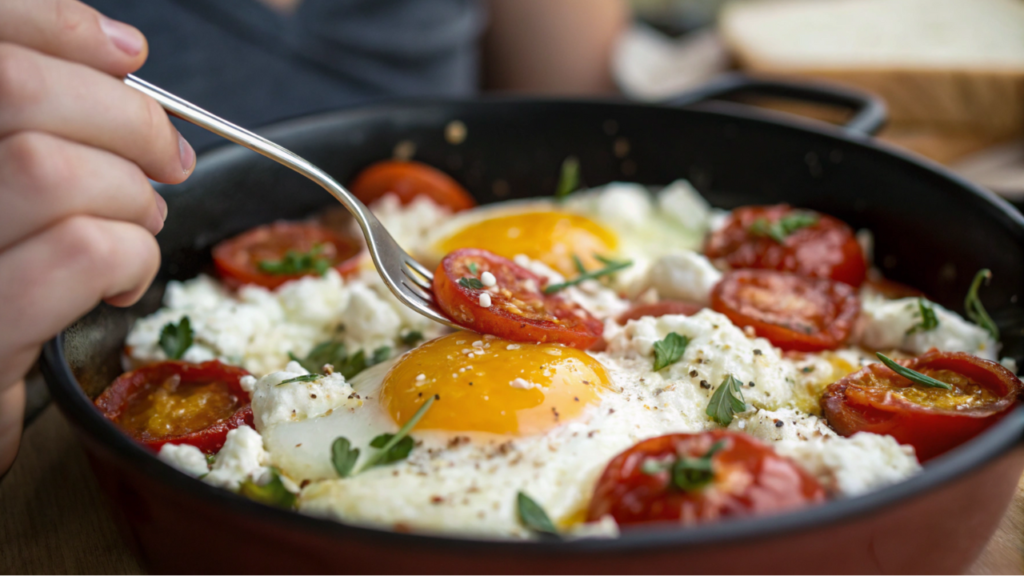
(126, 38)
(186, 153)
(161, 207)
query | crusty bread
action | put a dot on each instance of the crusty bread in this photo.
(958, 64)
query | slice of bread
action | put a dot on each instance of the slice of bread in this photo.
(958, 64)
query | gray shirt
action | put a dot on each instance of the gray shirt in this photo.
(245, 62)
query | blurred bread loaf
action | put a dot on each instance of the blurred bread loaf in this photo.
(955, 65)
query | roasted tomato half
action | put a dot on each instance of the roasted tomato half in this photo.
(698, 478)
(656, 309)
(515, 307)
(178, 403)
(792, 312)
(789, 240)
(276, 253)
(931, 419)
(407, 180)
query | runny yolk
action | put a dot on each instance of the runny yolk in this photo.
(486, 384)
(964, 395)
(171, 409)
(550, 237)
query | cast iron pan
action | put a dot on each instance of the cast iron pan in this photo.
(932, 231)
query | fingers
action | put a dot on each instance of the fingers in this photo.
(71, 30)
(50, 279)
(12, 412)
(45, 179)
(44, 94)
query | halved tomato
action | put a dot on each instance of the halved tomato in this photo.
(273, 254)
(177, 402)
(516, 306)
(931, 419)
(407, 180)
(792, 312)
(697, 478)
(783, 238)
(656, 309)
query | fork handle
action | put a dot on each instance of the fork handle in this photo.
(196, 115)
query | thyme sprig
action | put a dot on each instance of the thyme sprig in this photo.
(610, 267)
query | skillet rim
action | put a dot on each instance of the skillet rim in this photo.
(993, 443)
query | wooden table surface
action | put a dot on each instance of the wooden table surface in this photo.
(54, 520)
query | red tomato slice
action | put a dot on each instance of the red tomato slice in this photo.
(748, 479)
(825, 249)
(408, 180)
(792, 312)
(248, 257)
(932, 420)
(519, 308)
(178, 403)
(663, 308)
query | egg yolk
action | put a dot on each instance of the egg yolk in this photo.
(550, 237)
(486, 384)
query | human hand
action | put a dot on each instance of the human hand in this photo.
(77, 150)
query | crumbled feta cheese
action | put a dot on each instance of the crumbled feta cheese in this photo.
(485, 300)
(681, 201)
(886, 323)
(242, 458)
(184, 457)
(488, 279)
(274, 401)
(685, 276)
(410, 224)
(855, 465)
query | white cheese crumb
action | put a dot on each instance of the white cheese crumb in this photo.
(242, 458)
(421, 377)
(184, 457)
(485, 300)
(886, 325)
(512, 347)
(522, 384)
(488, 279)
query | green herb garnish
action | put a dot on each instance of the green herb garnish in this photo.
(303, 378)
(473, 268)
(210, 459)
(928, 320)
(343, 456)
(669, 350)
(569, 178)
(975, 310)
(412, 338)
(533, 517)
(399, 451)
(473, 283)
(912, 375)
(294, 263)
(175, 339)
(382, 455)
(726, 401)
(336, 354)
(380, 355)
(272, 493)
(611, 267)
(687, 474)
(783, 227)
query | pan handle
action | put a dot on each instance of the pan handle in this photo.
(869, 113)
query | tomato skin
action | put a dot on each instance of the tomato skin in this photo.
(792, 312)
(750, 479)
(408, 179)
(864, 402)
(237, 259)
(826, 249)
(519, 309)
(657, 309)
(128, 386)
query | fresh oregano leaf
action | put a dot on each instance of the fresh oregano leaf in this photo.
(669, 350)
(726, 401)
(175, 339)
(272, 493)
(343, 456)
(533, 517)
(399, 451)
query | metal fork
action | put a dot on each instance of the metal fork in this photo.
(407, 279)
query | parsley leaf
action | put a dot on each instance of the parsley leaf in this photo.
(611, 267)
(303, 378)
(175, 339)
(473, 283)
(975, 310)
(412, 338)
(329, 352)
(399, 451)
(928, 319)
(569, 178)
(473, 268)
(726, 401)
(343, 456)
(669, 350)
(687, 474)
(272, 493)
(380, 355)
(783, 227)
(210, 459)
(403, 432)
(533, 517)
(912, 375)
(298, 263)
